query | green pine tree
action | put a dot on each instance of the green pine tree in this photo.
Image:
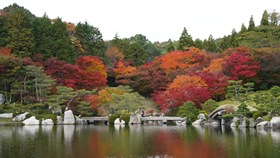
(198, 43)
(19, 34)
(223, 44)
(235, 90)
(136, 53)
(251, 24)
(211, 45)
(170, 47)
(185, 40)
(264, 20)
(188, 110)
(204, 44)
(232, 42)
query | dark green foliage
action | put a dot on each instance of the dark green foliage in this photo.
(42, 111)
(136, 53)
(19, 34)
(62, 46)
(188, 110)
(51, 116)
(223, 44)
(243, 109)
(247, 122)
(112, 118)
(1, 110)
(251, 113)
(198, 43)
(91, 40)
(264, 20)
(125, 118)
(170, 47)
(251, 24)
(237, 123)
(232, 42)
(3, 32)
(211, 45)
(28, 116)
(227, 116)
(185, 40)
(243, 30)
(257, 114)
(204, 44)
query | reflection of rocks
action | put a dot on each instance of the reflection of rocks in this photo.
(31, 121)
(243, 132)
(29, 130)
(275, 122)
(20, 117)
(262, 132)
(47, 129)
(68, 134)
(252, 132)
(264, 124)
(69, 118)
(47, 122)
(275, 135)
(6, 115)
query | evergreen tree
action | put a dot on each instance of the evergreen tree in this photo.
(264, 20)
(185, 40)
(243, 30)
(20, 37)
(204, 44)
(3, 32)
(211, 46)
(198, 43)
(62, 46)
(243, 109)
(232, 42)
(188, 110)
(43, 36)
(223, 44)
(91, 40)
(137, 54)
(170, 47)
(251, 24)
(235, 90)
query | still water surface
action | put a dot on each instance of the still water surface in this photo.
(83, 141)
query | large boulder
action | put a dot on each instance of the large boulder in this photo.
(117, 121)
(69, 118)
(59, 120)
(233, 124)
(264, 124)
(136, 119)
(80, 121)
(259, 120)
(275, 122)
(201, 116)
(2, 99)
(47, 122)
(6, 115)
(242, 123)
(31, 121)
(198, 122)
(20, 117)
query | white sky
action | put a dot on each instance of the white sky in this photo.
(158, 20)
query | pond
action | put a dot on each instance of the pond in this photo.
(82, 141)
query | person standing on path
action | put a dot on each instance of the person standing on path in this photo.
(143, 112)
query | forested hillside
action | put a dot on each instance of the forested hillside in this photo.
(48, 62)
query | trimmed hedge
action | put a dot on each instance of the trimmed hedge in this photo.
(51, 116)
(257, 114)
(237, 123)
(1, 110)
(125, 118)
(28, 116)
(112, 118)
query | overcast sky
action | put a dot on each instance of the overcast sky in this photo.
(158, 20)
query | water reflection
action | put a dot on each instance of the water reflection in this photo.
(138, 141)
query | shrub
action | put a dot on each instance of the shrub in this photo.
(227, 115)
(267, 118)
(1, 110)
(247, 121)
(250, 113)
(237, 123)
(28, 116)
(51, 116)
(257, 114)
(112, 118)
(263, 112)
(125, 118)
(42, 111)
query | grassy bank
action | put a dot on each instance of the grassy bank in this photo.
(10, 122)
